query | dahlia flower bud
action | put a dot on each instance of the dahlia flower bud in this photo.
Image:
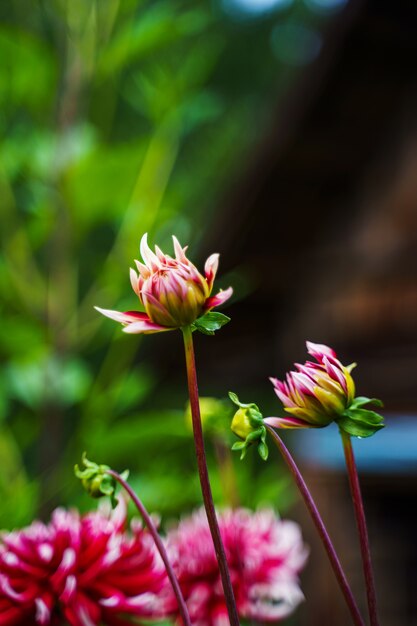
(248, 425)
(173, 292)
(323, 392)
(242, 423)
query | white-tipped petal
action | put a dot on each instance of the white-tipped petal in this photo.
(318, 350)
(210, 268)
(144, 271)
(124, 318)
(150, 258)
(134, 281)
(146, 327)
(179, 251)
(161, 256)
(218, 299)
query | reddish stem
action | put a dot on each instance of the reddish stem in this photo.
(355, 491)
(204, 477)
(321, 529)
(159, 544)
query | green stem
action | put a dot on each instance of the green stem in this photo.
(321, 528)
(182, 607)
(204, 477)
(355, 491)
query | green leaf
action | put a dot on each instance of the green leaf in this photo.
(239, 445)
(210, 322)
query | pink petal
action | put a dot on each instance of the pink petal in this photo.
(124, 318)
(335, 373)
(318, 350)
(210, 269)
(146, 327)
(282, 391)
(287, 422)
(218, 299)
(303, 383)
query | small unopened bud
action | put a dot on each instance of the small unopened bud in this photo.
(96, 479)
(248, 425)
(94, 485)
(242, 424)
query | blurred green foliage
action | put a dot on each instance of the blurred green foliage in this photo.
(117, 117)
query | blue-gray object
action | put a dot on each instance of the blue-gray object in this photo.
(392, 450)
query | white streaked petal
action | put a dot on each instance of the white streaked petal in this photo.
(145, 327)
(117, 316)
(144, 271)
(43, 613)
(150, 258)
(179, 251)
(134, 278)
(210, 268)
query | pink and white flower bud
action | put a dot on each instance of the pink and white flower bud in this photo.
(317, 393)
(172, 291)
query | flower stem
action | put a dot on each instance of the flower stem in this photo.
(182, 607)
(355, 491)
(321, 529)
(204, 477)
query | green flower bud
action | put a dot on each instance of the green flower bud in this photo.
(248, 425)
(96, 479)
(242, 424)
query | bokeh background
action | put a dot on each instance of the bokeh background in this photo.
(280, 133)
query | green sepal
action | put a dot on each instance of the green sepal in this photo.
(362, 400)
(263, 450)
(361, 422)
(258, 433)
(239, 445)
(357, 429)
(210, 322)
(253, 409)
(364, 415)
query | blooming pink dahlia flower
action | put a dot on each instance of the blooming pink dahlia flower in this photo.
(264, 555)
(172, 290)
(317, 393)
(83, 570)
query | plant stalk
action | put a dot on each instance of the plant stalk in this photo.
(182, 607)
(321, 528)
(204, 477)
(355, 491)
